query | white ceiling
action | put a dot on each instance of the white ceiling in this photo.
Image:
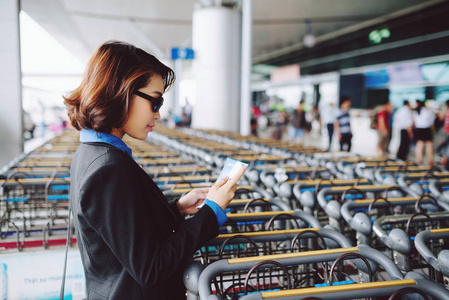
(157, 25)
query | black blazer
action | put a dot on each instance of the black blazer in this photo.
(134, 244)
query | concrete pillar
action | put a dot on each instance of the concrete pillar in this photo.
(11, 141)
(245, 105)
(216, 40)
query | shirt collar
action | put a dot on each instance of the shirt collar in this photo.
(89, 136)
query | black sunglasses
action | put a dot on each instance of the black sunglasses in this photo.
(156, 103)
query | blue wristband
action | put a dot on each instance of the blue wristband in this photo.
(221, 215)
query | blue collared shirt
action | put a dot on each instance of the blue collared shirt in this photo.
(90, 135)
(221, 215)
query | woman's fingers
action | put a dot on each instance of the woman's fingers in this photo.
(237, 176)
(221, 182)
(202, 192)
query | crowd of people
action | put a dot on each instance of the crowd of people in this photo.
(417, 125)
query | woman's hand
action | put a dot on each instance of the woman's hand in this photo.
(223, 190)
(187, 205)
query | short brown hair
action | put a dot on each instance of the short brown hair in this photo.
(114, 72)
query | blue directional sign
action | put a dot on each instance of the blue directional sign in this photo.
(182, 53)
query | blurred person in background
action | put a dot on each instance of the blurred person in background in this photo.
(343, 125)
(443, 148)
(328, 117)
(384, 127)
(280, 124)
(253, 126)
(445, 125)
(423, 119)
(298, 124)
(28, 126)
(314, 126)
(404, 121)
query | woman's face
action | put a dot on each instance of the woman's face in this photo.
(141, 118)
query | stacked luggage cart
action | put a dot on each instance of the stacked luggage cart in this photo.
(304, 224)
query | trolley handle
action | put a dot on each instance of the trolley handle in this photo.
(421, 245)
(342, 199)
(406, 290)
(430, 197)
(266, 262)
(298, 235)
(274, 218)
(318, 185)
(393, 188)
(345, 256)
(413, 216)
(401, 168)
(370, 207)
(245, 209)
(234, 237)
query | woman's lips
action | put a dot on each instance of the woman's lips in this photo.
(150, 128)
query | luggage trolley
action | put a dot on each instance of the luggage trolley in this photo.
(255, 200)
(360, 214)
(418, 183)
(256, 243)
(330, 199)
(35, 200)
(12, 210)
(189, 182)
(268, 220)
(305, 191)
(190, 169)
(370, 168)
(390, 174)
(350, 166)
(181, 178)
(270, 178)
(440, 189)
(433, 246)
(393, 288)
(31, 172)
(398, 233)
(281, 271)
(178, 190)
(57, 191)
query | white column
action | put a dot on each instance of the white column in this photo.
(11, 142)
(245, 105)
(216, 40)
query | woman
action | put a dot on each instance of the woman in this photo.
(423, 118)
(134, 244)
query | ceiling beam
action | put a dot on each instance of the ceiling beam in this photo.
(101, 16)
(298, 46)
(374, 49)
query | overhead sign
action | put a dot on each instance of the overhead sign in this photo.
(376, 36)
(182, 53)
